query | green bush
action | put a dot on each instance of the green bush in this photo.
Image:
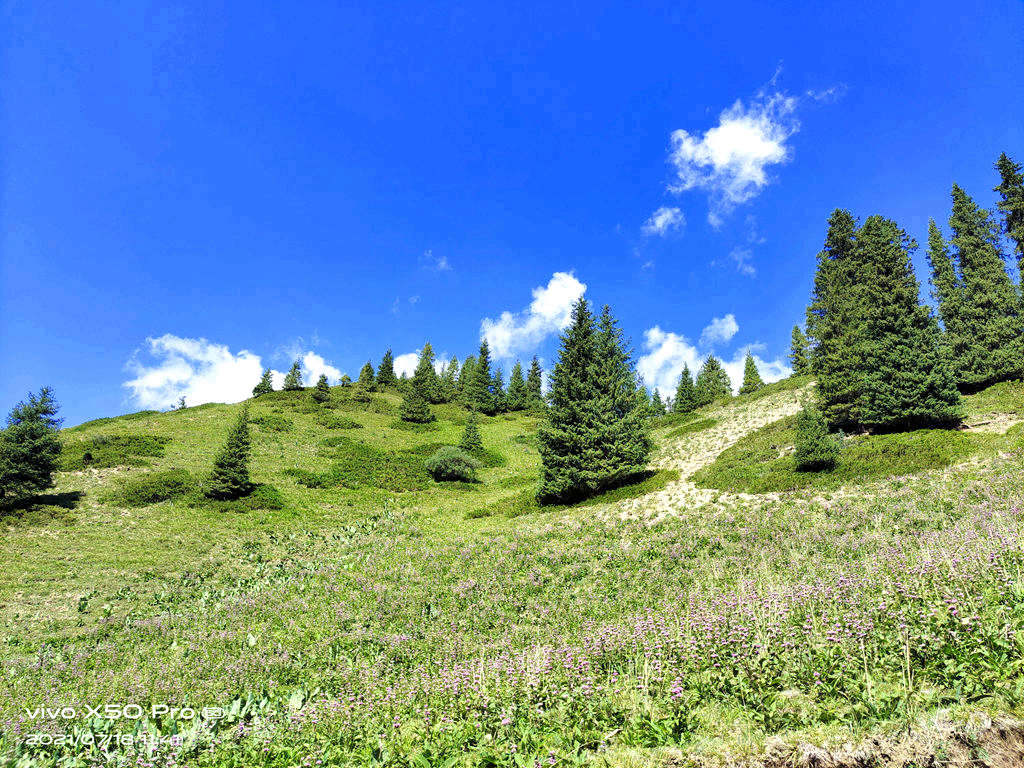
(273, 422)
(356, 465)
(816, 450)
(262, 496)
(153, 487)
(451, 463)
(112, 451)
(333, 421)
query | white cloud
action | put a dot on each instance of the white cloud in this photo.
(313, 365)
(663, 221)
(205, 372)
(666, 354)
(730, 161)
(199, 370)
(405, 365)
(719, 331)
(548, 313)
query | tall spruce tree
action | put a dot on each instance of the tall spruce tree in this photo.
(518, 395)
(834, 322)
(415, 408)
(712, 382)
(265, 385)
(479, 388)
(449, 381)
(657, 404)
(367, 379)
(1011, 204)
(799, 352)
(293, 379)
(386, 371)
(425, 377)
(321, 392)
(686, 395)
(471, 442)
(498, 393)
(597, 431)
(752, 380)
(906, 374)
(985, 322)
(29, 447)
(230, 476)
(466, 374)
(534, 381)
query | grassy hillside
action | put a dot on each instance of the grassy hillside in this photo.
(377, 617)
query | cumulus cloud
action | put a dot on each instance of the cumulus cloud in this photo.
(203, 371)
(548, 313)
(405, 365)
(666, 354)
(199, 370)
(313, 365)
(663, 221)
(730, 161)
(719, 331)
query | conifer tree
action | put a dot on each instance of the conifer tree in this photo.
(712, 382)
(466, 374)
(230, 476)
(498, 394)
(518, 395)
(321, 392)
(479, 388)
(751, 378)
(597, 433)
(534, 381)
(1011, 204)
(449, 381)
(686, 394)
(471, 442)
(293, 379)
(367, 379)
(816, 449)
(834, 322)
(346, 380)
(906, 374)
(29, 447)
(657, 405)
(984, 320)
(799, 352)
(415, 408)
(425, 377)
(386, 371)
(265, 385)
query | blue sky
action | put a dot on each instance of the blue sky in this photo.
(192, 192)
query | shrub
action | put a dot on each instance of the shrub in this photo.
(112, 451)
(321, 392)
(273, 422)
(332, 421)
(153, 487)
(450, 463)
(816, 449)
(262, 496)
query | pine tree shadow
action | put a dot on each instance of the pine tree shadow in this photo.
(41, 508)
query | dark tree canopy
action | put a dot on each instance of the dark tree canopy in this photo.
(321, 392)
(265, 384)
(386, 371)
(367, 378)
(596, 435)
(230, 476)
(712, 382)
(534, 382)
(424, 379)
(799, 352)
(29, 447)
(686, 393)
(752, 380)
(1011, 203)
(293, 379)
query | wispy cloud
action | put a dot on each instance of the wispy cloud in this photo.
(663, 221)
(436, 263)
(548, 313)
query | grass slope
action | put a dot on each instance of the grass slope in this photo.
(374, 619)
